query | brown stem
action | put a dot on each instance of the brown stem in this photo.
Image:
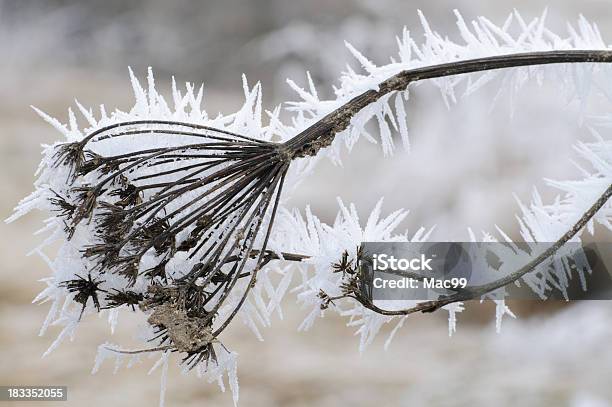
(322, 133)
(478, 291)
(471, 292)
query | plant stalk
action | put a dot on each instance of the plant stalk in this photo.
(322, 133)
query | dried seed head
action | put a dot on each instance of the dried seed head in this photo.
(344, 265)
(87, 198)
(70, 155)
(118, 298)
(84, 288)
(208, 196)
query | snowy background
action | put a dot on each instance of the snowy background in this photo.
(464, 167)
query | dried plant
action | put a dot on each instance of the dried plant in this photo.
(181, 216)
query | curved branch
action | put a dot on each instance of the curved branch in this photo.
(469, 293)
(476, 292)
(322, 133)
(319, 135)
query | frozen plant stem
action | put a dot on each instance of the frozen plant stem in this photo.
(220, 194)
(322, 133)
(472, 293)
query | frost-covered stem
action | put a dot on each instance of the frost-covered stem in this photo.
(270, 255)
(476, 292)
(463, 294)
(322, 133)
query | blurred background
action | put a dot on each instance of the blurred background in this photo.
(466, 163)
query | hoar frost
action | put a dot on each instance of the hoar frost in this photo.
(167, 211)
